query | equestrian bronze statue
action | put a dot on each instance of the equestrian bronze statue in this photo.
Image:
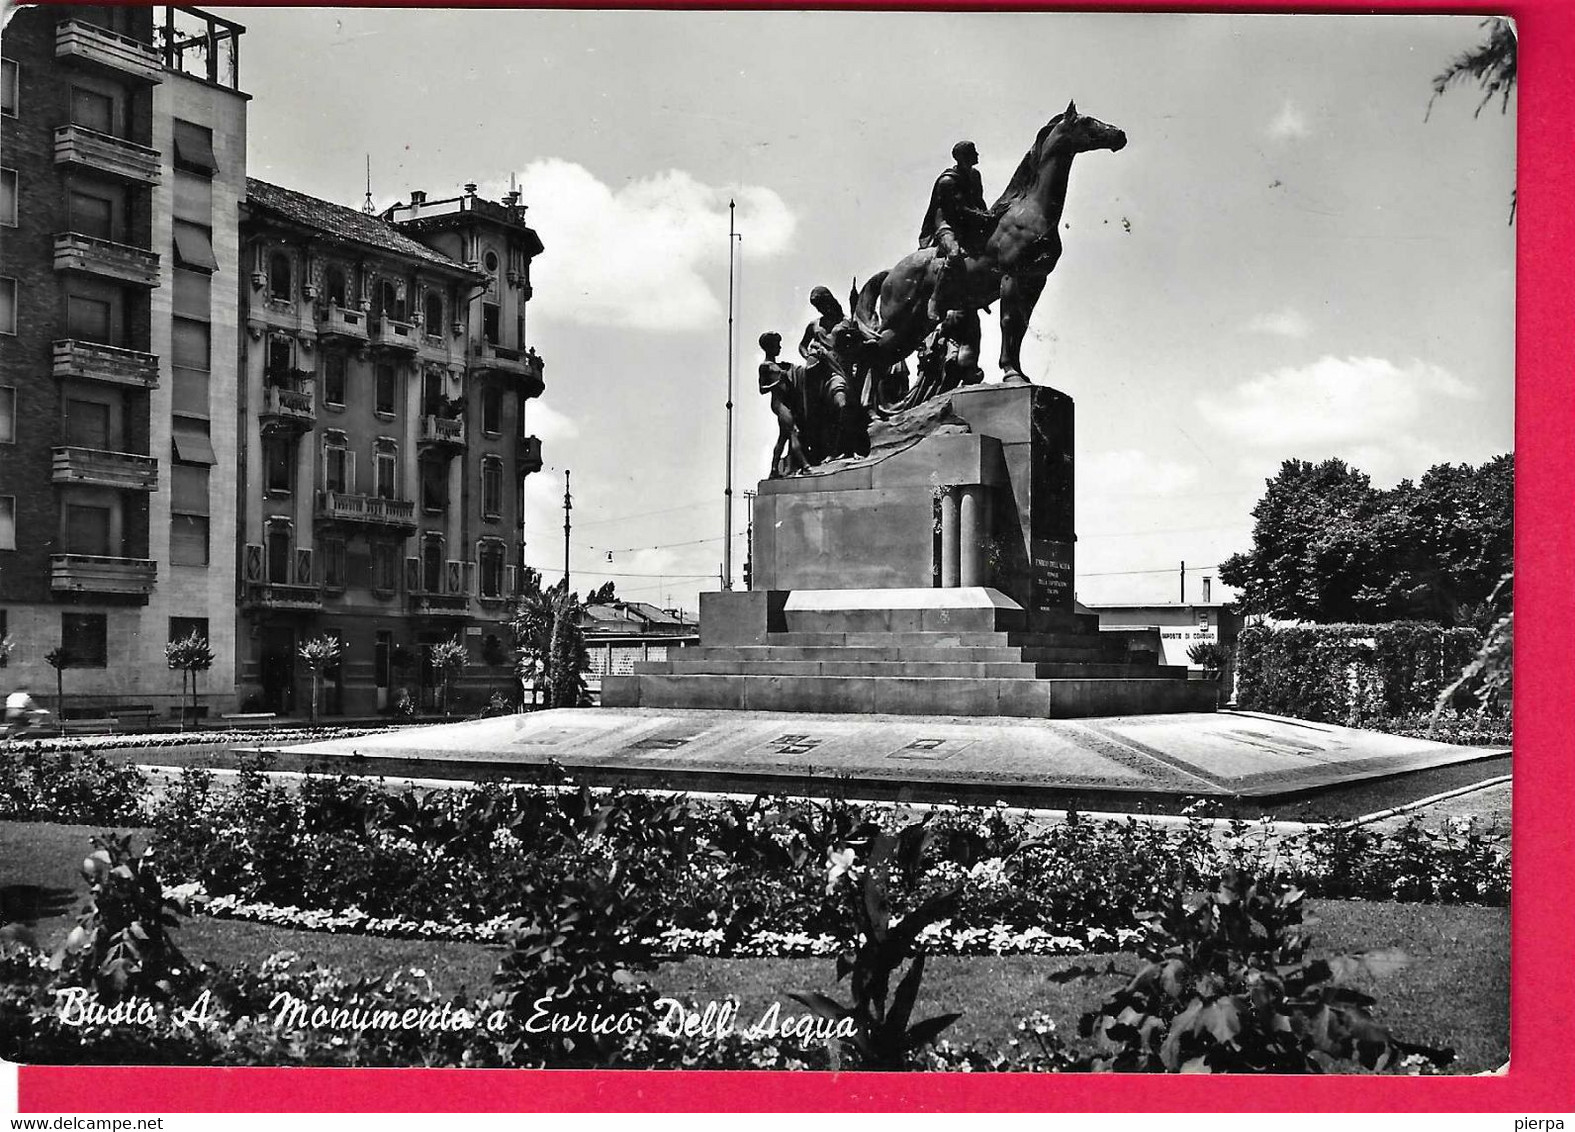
(1011, 255)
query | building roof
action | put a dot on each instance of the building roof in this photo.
(632, 617)
(342, 222)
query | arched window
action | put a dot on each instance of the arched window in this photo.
(432, 563)
(279, 540)
(434, 312)
(388, 304)
(338, 464)
(492, 409)
(490, 557)
(279, 276)
(336, 286)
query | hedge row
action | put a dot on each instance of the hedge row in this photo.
(1350, 674)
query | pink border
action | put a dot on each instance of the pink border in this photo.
(1542, 1076)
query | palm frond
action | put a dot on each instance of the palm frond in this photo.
(1490, 65)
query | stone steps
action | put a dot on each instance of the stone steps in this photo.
(916, 654)
(912, 695)
(954, 620)
(681, 664)
(937, 639)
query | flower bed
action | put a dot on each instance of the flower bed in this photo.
(155, 739)
(72, 786)
(340, 854)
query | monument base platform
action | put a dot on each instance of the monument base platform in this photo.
(1106, 763)
(967, 650)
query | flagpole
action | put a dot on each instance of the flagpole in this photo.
(727, 507)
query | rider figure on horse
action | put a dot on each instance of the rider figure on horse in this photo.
(957, 221)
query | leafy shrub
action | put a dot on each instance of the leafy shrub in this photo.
(121, 944)
(71, 786)
(1225, 987)
(879, 1018)
(1467, 728)
(1349, 674)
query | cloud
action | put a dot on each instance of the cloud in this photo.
(1129, 471)
(1363, 410)
(1289, 123)
(548, 424)
(1286, 322)
(636, 257)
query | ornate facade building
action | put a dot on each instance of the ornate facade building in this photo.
(122, 154)
(385, 448)
(230, 408)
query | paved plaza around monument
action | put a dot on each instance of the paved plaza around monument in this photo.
(1128, 759)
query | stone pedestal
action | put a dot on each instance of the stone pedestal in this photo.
(931, 577)
(982, 499)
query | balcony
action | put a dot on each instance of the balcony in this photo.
(527, 368)
(281, 597)
(528, 455)
(125, 471)
(433, 346)
(83, 148)
(367, 510)
(442, 435)
(98, 574)
(343, 325)
(110, 364)
(424, 604)
(121, 262)
(287, 410)
(390, 334)
(79, 42)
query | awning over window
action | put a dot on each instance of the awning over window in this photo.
(192, 445)
(194, 148)
(194, 247)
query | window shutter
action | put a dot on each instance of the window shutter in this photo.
(470, 577)
(254, 562)
(349, 473)
(413, 575)
(303, 565)
(508, 581)
(454, 576)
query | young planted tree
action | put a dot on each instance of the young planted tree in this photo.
(448, 661)
(320, 654)
(59, 660)
(191, 655)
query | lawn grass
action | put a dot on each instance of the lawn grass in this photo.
(1454, 991)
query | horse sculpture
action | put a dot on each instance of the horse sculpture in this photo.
(1020, 252)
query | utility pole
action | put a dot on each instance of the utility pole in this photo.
(749, 542)
(568, 505)
(1183, 581)
(727, 494)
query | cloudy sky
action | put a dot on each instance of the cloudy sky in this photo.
(1289, 259)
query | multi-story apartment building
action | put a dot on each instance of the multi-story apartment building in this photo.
(122, 157)
(385, 447)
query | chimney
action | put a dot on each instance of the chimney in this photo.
(417, 198)
(470, 188)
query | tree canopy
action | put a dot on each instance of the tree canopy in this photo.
(1328, 546)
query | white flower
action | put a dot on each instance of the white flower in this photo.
(838, 863)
